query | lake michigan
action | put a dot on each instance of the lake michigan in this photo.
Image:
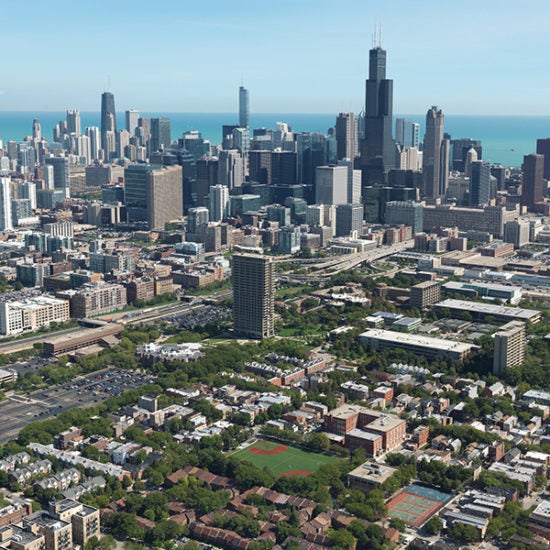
(505, 139)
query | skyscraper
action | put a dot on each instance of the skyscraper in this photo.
(108, 117)
(378, 149)
(95, 145)
(435, 159)
(349, 219)
(312, 152)
(253, 295)
(5, 204)
(218, 203)
(346, 136)
(36, 129)
(331, 185)
(153, 194)
(407, 132)
(73, 122)
(480, 183)
(533, 181)
(60, 167)
(244, 115)
(354, 181)
(160, 134)
(132, 118)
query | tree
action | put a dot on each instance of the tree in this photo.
(105, 543)
(398, 524)
(434, 525)
(341, 539)
(318, 442)
(463, 532)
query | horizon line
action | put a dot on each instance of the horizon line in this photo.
(268, 113)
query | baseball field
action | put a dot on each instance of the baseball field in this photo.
(283, 460)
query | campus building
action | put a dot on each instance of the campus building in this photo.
(429, 347)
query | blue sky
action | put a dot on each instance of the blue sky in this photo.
(310, 56)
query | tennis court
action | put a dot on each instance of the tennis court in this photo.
(416, 504)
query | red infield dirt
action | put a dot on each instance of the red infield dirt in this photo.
(295, 473)
(268, 452)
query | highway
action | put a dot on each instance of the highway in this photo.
(348, 261)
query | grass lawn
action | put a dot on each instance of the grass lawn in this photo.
(283, 460)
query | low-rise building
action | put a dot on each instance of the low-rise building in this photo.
(429, 347)
(369, 476)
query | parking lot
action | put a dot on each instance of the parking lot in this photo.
(85, 391)
(202, 316)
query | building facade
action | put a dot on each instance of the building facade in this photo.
(253, 296)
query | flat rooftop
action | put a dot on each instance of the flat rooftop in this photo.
(416, 340)
(361, 434)
(490, 309)
(345, 411)
(372, 471)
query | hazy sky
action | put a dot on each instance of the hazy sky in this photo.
(310, 56)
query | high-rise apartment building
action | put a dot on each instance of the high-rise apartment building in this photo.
(27, 190)
(218, 203)
(435, 159)
(509, 348)
(378, 149)
(533, 180)
(253, 295)
(346, 136)
(5, 205)
(197, 217)
(244, 114)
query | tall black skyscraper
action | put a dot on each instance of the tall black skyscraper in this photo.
(378, 149)
(108, 116)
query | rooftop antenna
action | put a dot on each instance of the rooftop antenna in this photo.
(241, 79)
(380, 35)
(374, 35)
(108, 82)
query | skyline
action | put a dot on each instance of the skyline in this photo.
(292, 56)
